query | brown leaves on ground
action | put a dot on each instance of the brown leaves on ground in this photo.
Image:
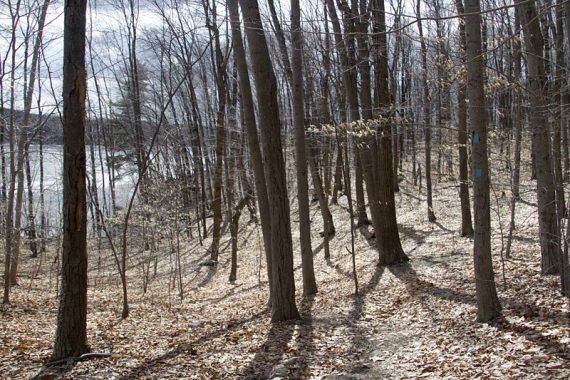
(409, 321)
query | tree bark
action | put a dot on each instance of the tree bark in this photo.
(548, 221)
(234, 228)
(488, 306)
(252, 137)
(427, 118)
(309, 282)
(283, 297)
(221, 84)
(380, 181)
(71, 332)
(466, 224)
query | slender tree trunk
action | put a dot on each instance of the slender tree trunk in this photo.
(234, 228)
(337, 187)
(560, 123)
(32, 235)
(427, 118)
(309, 282)
(517, 124)
(221, 82)
(23, 147)
(346, 50)
(328, 225)
(466, 225)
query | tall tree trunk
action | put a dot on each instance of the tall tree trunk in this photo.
(14, 14)
(466, 225)
(385, 225)
(71, 332)
(23, 146)
(516, 96)
(221, 83)
(283, 297)
(560, 124)
(548, 222)
(309, 282)
(427, 118)
(488, 306)
(252, 137)
(346, 51)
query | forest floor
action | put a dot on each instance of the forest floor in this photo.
(408, 321)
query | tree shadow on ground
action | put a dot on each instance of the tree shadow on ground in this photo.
(305, 338)
(271, 352)
(360, 336)
(339, 270)
(319, 248)
(413, 196)
(550, 344)
(441, 227)
(150, 366)
(528, 203)
(419, 236)
(228, 294)
(210, 272)
(525, 239)
(416, 286)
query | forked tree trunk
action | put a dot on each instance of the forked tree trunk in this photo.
(283, 297)
(23, 147)
(346, 51)
(252, 137)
